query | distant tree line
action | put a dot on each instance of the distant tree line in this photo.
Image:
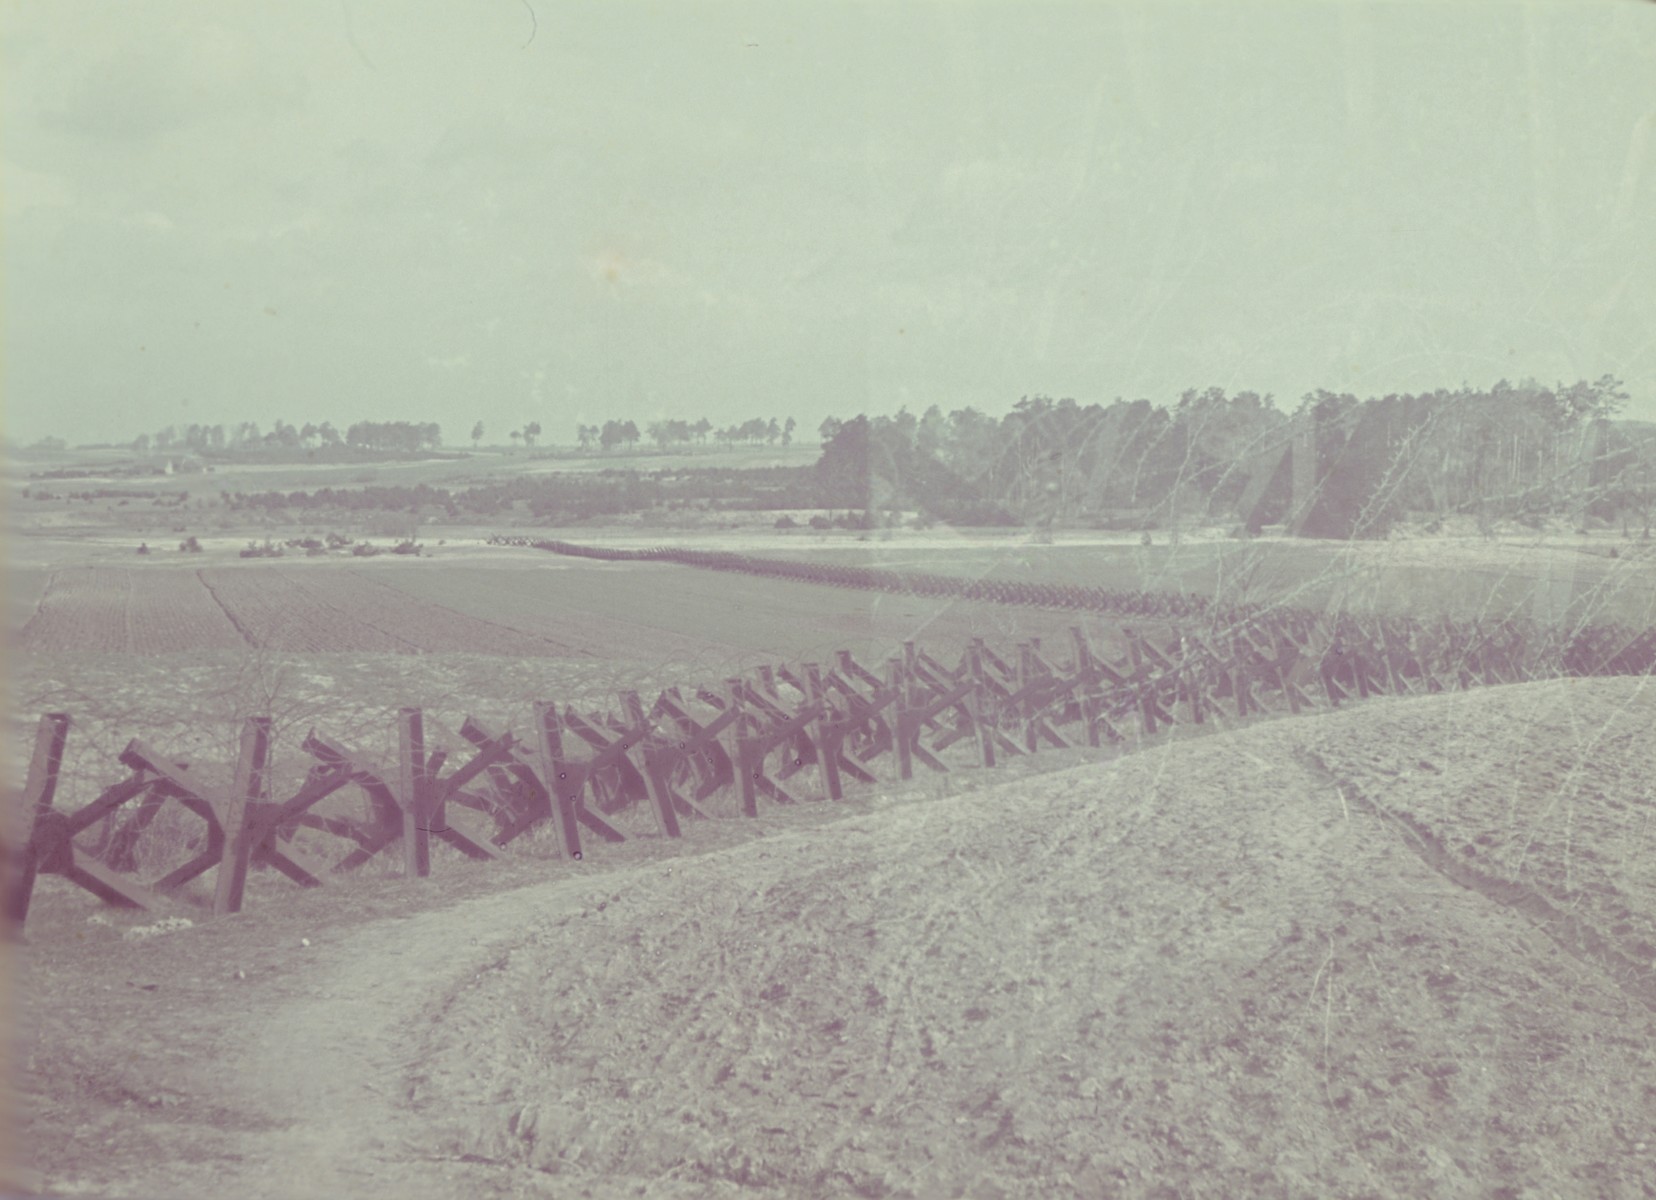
(406, 436)
(564, 496)
(1510, 450)
(608, 436)
(413, 437)
(402, 436)
(669, 433)
(1046, 459)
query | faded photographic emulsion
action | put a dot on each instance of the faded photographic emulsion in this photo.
(973, 600)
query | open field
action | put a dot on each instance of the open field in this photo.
(107, 610)
(469, 598)
(454, 469)
(511, 603)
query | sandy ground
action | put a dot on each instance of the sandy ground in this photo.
(1255, 963)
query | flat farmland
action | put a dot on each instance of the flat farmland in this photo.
(24, 586)
(647, 610)
(339, 609)
(116, 610)
(319, 610)
(529, 604)
(525, 605)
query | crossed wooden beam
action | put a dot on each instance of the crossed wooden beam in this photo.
(46, 843)
(411, 801)
(841, 719)
(243, 826)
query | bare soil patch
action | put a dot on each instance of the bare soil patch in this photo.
(523, 605)
(117, 610)
(663, 612)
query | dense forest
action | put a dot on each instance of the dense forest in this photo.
(1511, 451)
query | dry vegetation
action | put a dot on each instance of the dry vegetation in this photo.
(1217, 967)
(1403, 949)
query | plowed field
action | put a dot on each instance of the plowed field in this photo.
(115, 610)
(654, 611)
(644, 612)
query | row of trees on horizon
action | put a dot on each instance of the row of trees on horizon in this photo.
(665, 434)
(413, 437)
(1519, 448)
(404, 436)
(1056, 459)
(1510, 451)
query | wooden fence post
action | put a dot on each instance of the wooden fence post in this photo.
(978, 700)
(823, 732)
(39, 791)
(563, 791)
(746, 769)
(1188, 682)
(1026, 675)
(242, 826)
(1142, 682)
(1089, 689)
(1282, 668)
(411, 793)
(656, 771)
(898, 681)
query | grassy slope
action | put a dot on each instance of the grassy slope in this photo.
(1196, 969)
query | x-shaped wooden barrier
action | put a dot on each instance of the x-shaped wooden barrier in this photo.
(47, 844)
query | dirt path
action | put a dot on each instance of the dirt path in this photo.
(333, 1064)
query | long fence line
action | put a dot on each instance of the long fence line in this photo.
(1516, 648)
(782, 734)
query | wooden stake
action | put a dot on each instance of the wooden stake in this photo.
(976, 701)
(39, 791)
(897, 681)
(242, 825)
(562, 785)
(828, 750)
(411, 793)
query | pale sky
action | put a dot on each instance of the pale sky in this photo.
(515, 210)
